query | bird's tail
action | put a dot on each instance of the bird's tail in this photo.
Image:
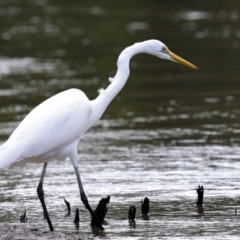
(9, 155)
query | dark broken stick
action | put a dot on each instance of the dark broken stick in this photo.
(145, 206)
(200, 192)
(101, 210)
(76, 220)
(68, 205)
(23, 218)
(131, 215)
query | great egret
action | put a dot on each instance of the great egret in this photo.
(54, 128)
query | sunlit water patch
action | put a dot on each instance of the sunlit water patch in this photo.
(193, 15)
(27, 65)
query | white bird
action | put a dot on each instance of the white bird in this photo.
(54, 128)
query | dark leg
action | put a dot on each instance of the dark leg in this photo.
(41, 196)
(85, 200)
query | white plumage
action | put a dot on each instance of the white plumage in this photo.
(49, 130)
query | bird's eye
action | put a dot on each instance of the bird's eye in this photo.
(164, 49)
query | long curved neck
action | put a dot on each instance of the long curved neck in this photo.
(106, 96)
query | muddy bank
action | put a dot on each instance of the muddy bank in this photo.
(23, 232)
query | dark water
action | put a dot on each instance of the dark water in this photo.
(169, 130)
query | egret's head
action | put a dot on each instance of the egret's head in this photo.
(159, 49)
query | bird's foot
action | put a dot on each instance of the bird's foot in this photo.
(88, 207)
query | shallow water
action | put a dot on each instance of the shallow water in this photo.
(169, 130)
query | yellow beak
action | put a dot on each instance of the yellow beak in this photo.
(182, 61)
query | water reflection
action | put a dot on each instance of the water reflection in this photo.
(12, 66)
(135, 26)
(193, 15)
(200, 211)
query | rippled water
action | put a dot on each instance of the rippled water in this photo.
(169, 130)
(130, 169)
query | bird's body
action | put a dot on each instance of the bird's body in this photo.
(49, 131)
(54, 128)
